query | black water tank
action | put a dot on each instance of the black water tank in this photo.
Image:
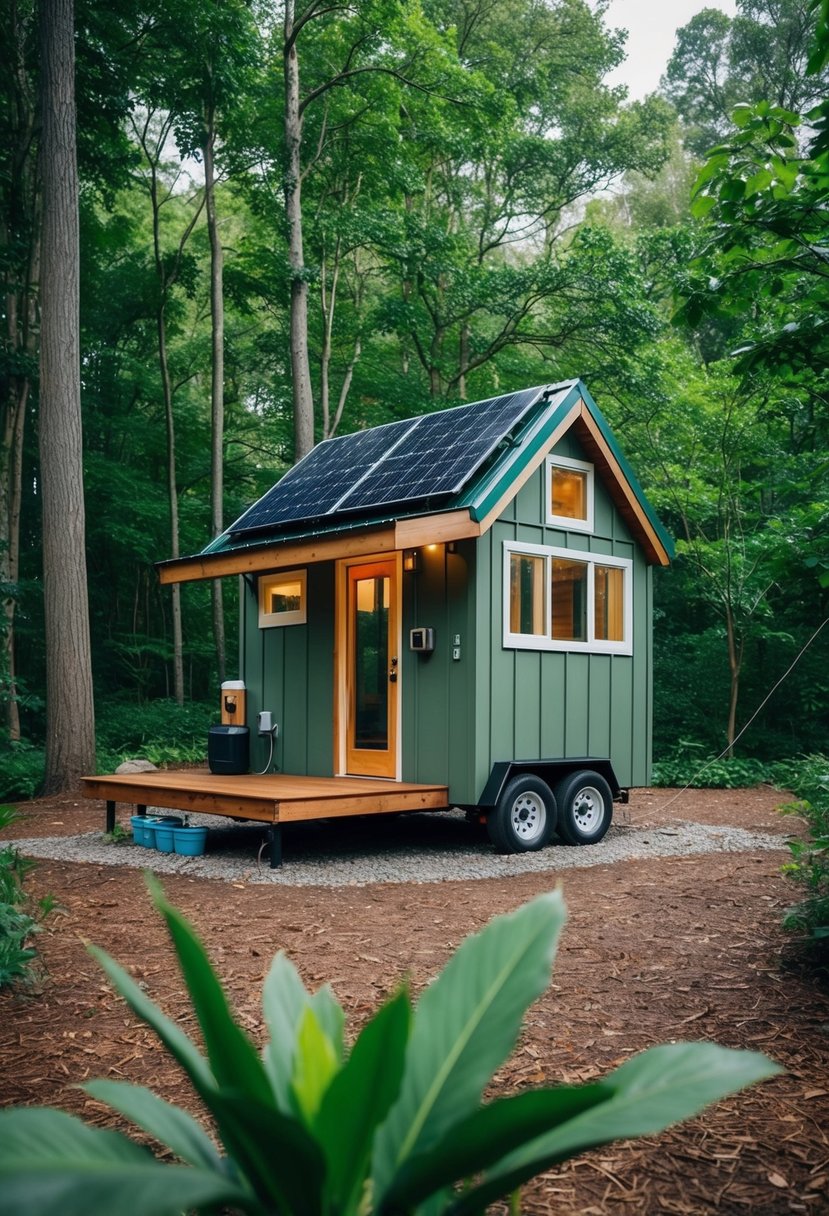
(228, 749)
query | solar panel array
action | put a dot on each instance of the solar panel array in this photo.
(400, 462)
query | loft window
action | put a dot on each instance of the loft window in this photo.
(560, 599)
(570, 494)
(283, 598)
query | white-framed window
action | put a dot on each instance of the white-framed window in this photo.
(569, 494)
(283, 598)
(562, 599)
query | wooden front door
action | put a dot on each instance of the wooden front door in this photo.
(371, 671)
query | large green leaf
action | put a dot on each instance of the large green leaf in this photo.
(329, 1013)
(52, 1164)
(233, 1058)
(284, 1000)
(277, 1155)
(169, 1124)
(465, 1025)
(653, 1090)
(359, 1098)
(315, 1065)
(183, 1049)
(490, 1134)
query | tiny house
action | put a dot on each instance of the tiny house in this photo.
(461, 599)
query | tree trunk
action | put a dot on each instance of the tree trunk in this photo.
(300, 364)
(70, 715)
(735, 663)
(19, 260)
(172, 495)
(217, 385)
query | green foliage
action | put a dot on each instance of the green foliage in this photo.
(21, 770)
(809, 867)
(689, 766)
(391, 1126)
(20, 918)
(160, 731)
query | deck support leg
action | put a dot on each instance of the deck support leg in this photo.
(140, 810)
(110, 817)
(275, 846)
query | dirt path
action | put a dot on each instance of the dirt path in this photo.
(671, 948)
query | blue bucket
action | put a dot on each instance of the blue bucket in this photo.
(164, 828)
(190, 841)
(143, 831)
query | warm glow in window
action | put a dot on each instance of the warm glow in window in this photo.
(569, 493)
(569, 600)
(526, 594)
(566, 599)
(282, 599)
(609, 603)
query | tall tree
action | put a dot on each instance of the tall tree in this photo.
(19, 256)
(70, 715)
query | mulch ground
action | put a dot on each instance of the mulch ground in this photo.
(656, 950)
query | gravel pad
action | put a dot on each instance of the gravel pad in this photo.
(406, 848)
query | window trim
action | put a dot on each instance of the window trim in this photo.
(271, 620)
(566, 521)
(593, 645)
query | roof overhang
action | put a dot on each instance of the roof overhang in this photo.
(274, 555)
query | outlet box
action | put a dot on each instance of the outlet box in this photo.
(265, 722)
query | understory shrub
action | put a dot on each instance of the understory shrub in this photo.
(21, 770)
(689, 765)
(20, 916)
(809, 867)
(391, 1127)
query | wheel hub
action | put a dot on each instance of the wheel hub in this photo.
(588, 808)
(528, 816)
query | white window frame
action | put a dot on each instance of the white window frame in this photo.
(566, 521)
(592, 645)
(269, 620)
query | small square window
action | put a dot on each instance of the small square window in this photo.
(570, 494)
(282, 598)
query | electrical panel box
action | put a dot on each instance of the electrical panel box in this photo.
(422, 640)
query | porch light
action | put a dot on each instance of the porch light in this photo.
(411, 561)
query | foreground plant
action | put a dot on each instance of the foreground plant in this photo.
(391, 1126)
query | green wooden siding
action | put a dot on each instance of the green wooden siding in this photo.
(556, 704)
(437, 690)
(290, 670)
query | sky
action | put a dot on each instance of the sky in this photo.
(652, 26)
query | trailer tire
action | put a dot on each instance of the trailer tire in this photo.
(585, 807)
(524, 817)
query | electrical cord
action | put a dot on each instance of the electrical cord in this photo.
(270, 755)
(761, 706)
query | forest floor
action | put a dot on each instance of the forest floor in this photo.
(654, 950)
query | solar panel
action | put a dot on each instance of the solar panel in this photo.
(400, 462)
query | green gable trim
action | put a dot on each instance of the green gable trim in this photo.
(630, 476)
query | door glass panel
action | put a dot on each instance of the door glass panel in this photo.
(371, 664)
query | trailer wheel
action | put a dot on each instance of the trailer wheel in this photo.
(524, 817)
(585, 807)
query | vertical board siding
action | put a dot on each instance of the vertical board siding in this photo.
(438, 724)
(289, 670)
(553, 704)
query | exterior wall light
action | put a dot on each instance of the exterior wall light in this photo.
(411, 561)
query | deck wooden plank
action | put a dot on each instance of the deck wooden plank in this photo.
(270, 798)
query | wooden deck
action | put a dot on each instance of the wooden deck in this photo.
(273, 799)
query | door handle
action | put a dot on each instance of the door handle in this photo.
(392, 676)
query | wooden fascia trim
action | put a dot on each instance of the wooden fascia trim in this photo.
(435, 529)
(275, 557)
(619, 488)
(404, 534)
